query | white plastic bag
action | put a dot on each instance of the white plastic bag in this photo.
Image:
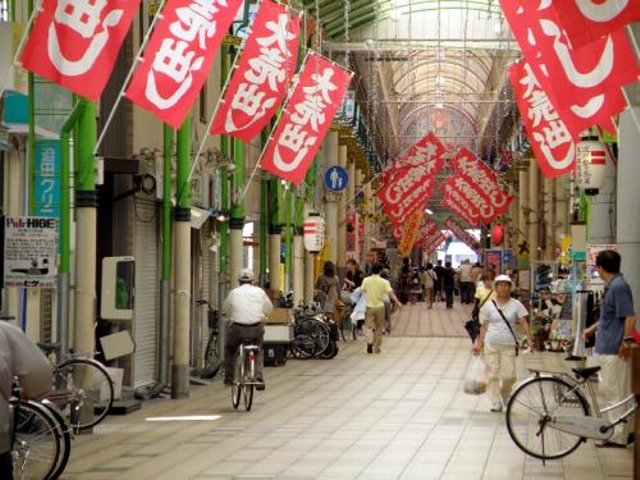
(475, 381)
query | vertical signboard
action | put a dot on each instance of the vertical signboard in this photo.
(30, 252)
(47, 182)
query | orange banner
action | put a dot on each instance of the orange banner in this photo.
(410, 230)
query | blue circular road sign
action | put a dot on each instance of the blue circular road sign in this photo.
(336, 178)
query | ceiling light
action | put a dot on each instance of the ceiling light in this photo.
(428, 211)
(497, 28)
(439, 105)
(440, 80)
(395, 15)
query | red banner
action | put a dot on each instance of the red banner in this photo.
(483, 178)
(317, 95)
(582, 83)
(427, 149)
(553, 145)
(180, 53)
(585, 21)
(410, 231)
(428, 230)
(75, 43)
(460, 232)
(263, 74)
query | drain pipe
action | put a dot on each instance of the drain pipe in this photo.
(62, 309)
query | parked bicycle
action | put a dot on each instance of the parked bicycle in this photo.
(245, 374)
(316, 335)
(212, 359)
(82, 388)
(549, 417)
(41, 439)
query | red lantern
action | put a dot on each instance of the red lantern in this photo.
(497, 235)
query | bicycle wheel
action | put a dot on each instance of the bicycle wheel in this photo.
(530, 414)
(330, 352)
(303, 347)
(319, 331)
(212, 360)
(89, 392)
(65, 437)
(238, 379)
(37, 443)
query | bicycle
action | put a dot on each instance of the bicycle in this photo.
(212, 359)
(548, 416)
(82, 388)
(245, 374)
(41, 439)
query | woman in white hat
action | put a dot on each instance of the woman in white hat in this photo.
(497, 340)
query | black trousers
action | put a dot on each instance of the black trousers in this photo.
(235, 335)
(6, 466)
(448, 293)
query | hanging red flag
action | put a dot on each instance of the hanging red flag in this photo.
(317, 93)
(262, 76)
(75, 43)
(583, 83)
(585, 21)
(179, 55)
(410, 231)
(553, 145)
(482, 178)
(462, 209)
(407, 192)
(428, 149)
(460, 232)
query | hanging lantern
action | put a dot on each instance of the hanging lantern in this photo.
(497, 235)
(591, 165)
(314, 227)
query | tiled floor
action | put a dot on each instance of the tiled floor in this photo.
(397, 415)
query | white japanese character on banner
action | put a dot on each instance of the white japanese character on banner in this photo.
(311, 111)
(83, 17)
(248, 99)
(173, 60)
(322, 85)
(280, 34)
(293, 138)
(196, 20)
(556, 134)
(267, 67)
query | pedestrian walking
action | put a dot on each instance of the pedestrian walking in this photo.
(375, 287)
(438, 290)
(428, 280)
(614, 335)
(498, 343)
(466, 282)
(448, 283)
(327, 289)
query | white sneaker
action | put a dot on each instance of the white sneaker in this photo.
(497, 407)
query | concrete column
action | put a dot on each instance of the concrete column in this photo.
(523, 205)
(309, 276)
(358, 186)
(342, 214)
(298, 266)
(562, 206)
(330, 154)
(275, 239)
(534, 209)
(628, 199)
(549, 218)
(602, 221)
(236, 250)
(368, 224)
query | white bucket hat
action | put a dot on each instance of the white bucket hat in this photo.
(503, 278)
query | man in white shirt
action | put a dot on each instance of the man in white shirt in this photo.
(22, 358)
(246, 307)
(466, 282)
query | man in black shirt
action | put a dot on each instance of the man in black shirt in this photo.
(448, 283)
(439, 269)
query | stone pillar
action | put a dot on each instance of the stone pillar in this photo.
(331, 158)
(534, 210)
(628, 199)
(549, 218)
(602, 219)
(342, 214)
(275, 239)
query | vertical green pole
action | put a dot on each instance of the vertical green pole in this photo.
(224, 181)
(165, 277)
(288, 237)
(32, 133)
(237, 209)
(86, 172)
(12, 10)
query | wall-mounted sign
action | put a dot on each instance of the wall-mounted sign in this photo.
(30, 252)
(314, 228)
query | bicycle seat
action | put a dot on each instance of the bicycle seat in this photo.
(586, 372)
(48, 347)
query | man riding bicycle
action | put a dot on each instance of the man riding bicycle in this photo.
(245, 307)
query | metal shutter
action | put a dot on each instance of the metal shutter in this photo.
(207, 264)
(46, 314)
(145, 327)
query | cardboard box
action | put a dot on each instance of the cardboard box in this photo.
(279, 315)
